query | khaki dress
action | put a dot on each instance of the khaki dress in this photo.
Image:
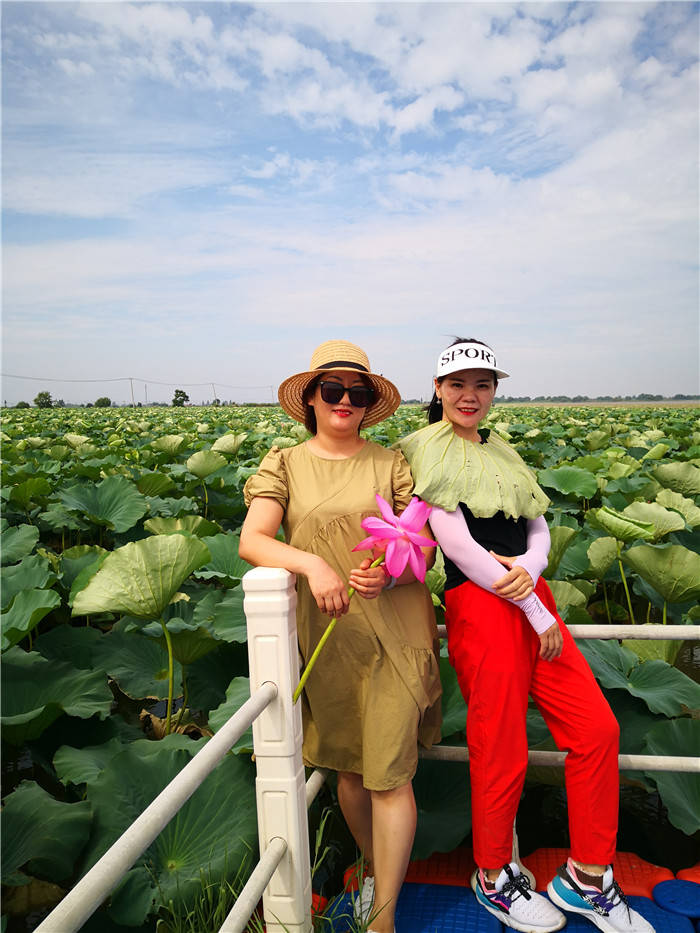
(374, 691)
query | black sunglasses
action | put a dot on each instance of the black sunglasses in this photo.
(360, 396)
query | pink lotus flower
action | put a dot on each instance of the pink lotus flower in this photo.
(398, 537)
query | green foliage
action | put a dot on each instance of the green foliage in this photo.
(179, 398)
(84, 487)
(43, 400)
(103, 402)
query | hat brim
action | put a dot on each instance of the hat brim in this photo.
(291, 395)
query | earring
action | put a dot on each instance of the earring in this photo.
(439, 401)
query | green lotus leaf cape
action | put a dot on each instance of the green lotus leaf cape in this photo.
(490, 477)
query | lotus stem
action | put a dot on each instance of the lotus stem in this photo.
(664, 615)
(169, 643)
(607, 607)
(624, 583)
(206, 498)
(324, 638)
(648, 612)
(184, 699)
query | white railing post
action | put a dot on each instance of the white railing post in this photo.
(270, 608)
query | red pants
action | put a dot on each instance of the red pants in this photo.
(494, 652)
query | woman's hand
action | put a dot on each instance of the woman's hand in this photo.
(516, 584)
(368, 581)
(327, 589)
(551, 643)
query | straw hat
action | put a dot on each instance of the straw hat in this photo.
(339, 354)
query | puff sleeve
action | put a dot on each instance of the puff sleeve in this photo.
(270, 482)
(401, 482)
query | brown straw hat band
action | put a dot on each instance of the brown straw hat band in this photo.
(339, 354)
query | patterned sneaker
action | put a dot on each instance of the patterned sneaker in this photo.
(515, 904)
(607, 908)
(363, 901)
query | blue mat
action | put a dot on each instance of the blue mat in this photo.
(678, 897)
(426, 908)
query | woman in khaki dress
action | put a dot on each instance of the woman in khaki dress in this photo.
(374, 692)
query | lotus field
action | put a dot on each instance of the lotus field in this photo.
(123, 633)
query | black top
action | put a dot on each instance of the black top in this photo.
(506, 536)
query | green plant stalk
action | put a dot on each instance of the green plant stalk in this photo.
(206, 498)
(664, 615)
(624, 583)
(171, 677)
(607, 607)
(324, 638)
(184, 699)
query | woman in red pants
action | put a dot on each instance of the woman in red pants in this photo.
(506, 641)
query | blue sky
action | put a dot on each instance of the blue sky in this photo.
(198, 193)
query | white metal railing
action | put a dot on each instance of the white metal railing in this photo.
(87, 895)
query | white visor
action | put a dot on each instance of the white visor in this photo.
(467, 356)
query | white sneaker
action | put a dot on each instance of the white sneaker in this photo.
(607, 908)
(363, 902)
(515, 904)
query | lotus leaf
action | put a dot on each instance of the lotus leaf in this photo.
(17, 542)
(169, 443)
(154, 484)
(601, 554)
(195, 524)
(35, 692)
(566, 594)
(138, 664)
(680, 792)
(75, 440)
(442, 801)
(596, 439)
(30, 573)
(687, 508)
(657, 452)
(237, 694)
(619, 470)
(42, 831)
(223, 611)
(190, 641)
(680, 477)
(663, 688)
(75, 559)
(76, 646)
(228, 443)
(673, 571)
(205, 462)
(216, 828)
(142, 577)
(171, 508)
(114, 503)
(454, 709)
(80, 765)
(27, 610)
(225, 564)
(59, 519)
(31, 490)
(663, 520)
(570, 480)
(620, 526)
(561, 537)
(654, 649)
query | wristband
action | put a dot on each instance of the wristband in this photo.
(391, 584)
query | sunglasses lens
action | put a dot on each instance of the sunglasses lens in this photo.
(332, 392)
(360, 396)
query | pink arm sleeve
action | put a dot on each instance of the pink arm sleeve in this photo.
(452, 534)
(535, 559)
